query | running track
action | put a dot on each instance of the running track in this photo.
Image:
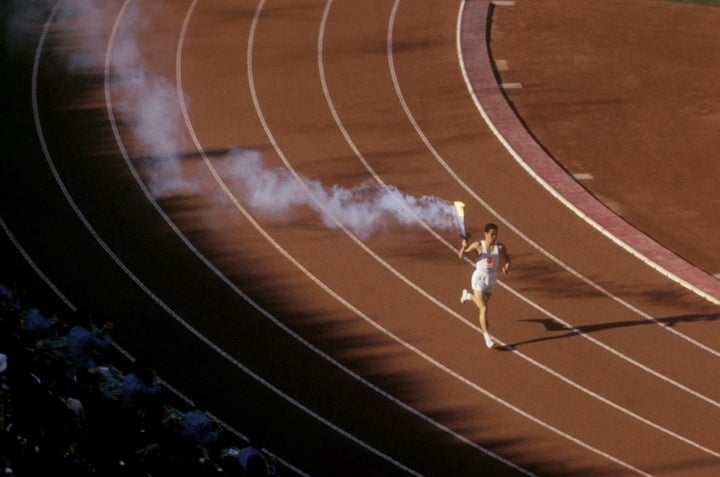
(352, 351)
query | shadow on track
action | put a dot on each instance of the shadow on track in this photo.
(551, 325)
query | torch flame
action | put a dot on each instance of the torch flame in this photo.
(460, 207)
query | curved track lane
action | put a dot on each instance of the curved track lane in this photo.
(342, 93)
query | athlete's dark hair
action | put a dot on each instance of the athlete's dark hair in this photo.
(490, 227)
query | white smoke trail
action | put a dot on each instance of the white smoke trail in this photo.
(89, 28)
(363, 209)
(147, 105)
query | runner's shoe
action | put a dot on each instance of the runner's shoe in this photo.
(489, 341)
(465, 296)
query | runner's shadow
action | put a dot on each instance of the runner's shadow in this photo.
(554, 326)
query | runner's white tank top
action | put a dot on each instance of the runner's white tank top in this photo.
(487, 261)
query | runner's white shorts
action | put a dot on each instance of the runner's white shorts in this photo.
(482, 281)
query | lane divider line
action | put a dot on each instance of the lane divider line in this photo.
(531, 157)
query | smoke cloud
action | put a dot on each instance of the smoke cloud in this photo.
(363, 209)
(146, 105)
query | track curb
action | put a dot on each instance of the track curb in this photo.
(477, 64)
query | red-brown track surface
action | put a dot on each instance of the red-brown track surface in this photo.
(353, 353)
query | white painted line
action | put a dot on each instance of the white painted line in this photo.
(34, 266)
(577, 211)
(100, 241)
(339, 298)
(262, 310)
(78, 211)
(501, 3)
(502, 65)
(583, 176)
(511, 86)
(123, 351)
(591, 221)
(268, 131)
(128, 272)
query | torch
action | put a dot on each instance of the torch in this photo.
(460, 209)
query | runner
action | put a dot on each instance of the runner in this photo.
(488, 253)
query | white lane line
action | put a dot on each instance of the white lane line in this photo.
(44, 277)
(34, 266)
(282, 156)
(125, 156)
(554, 259)
(71, 306)
(183, 105)
(362, 245)
(537, 246)
(511, 226)
(334, 294)
(589, 220)
(542, 250)
(299, 266)
(552, 372)
(239, 292)
(534, 244)
(511, 85)
(138, 282)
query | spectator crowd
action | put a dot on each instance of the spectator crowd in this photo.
(69, 406)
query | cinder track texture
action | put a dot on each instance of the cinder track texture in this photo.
(136, 125)
(622, 92)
